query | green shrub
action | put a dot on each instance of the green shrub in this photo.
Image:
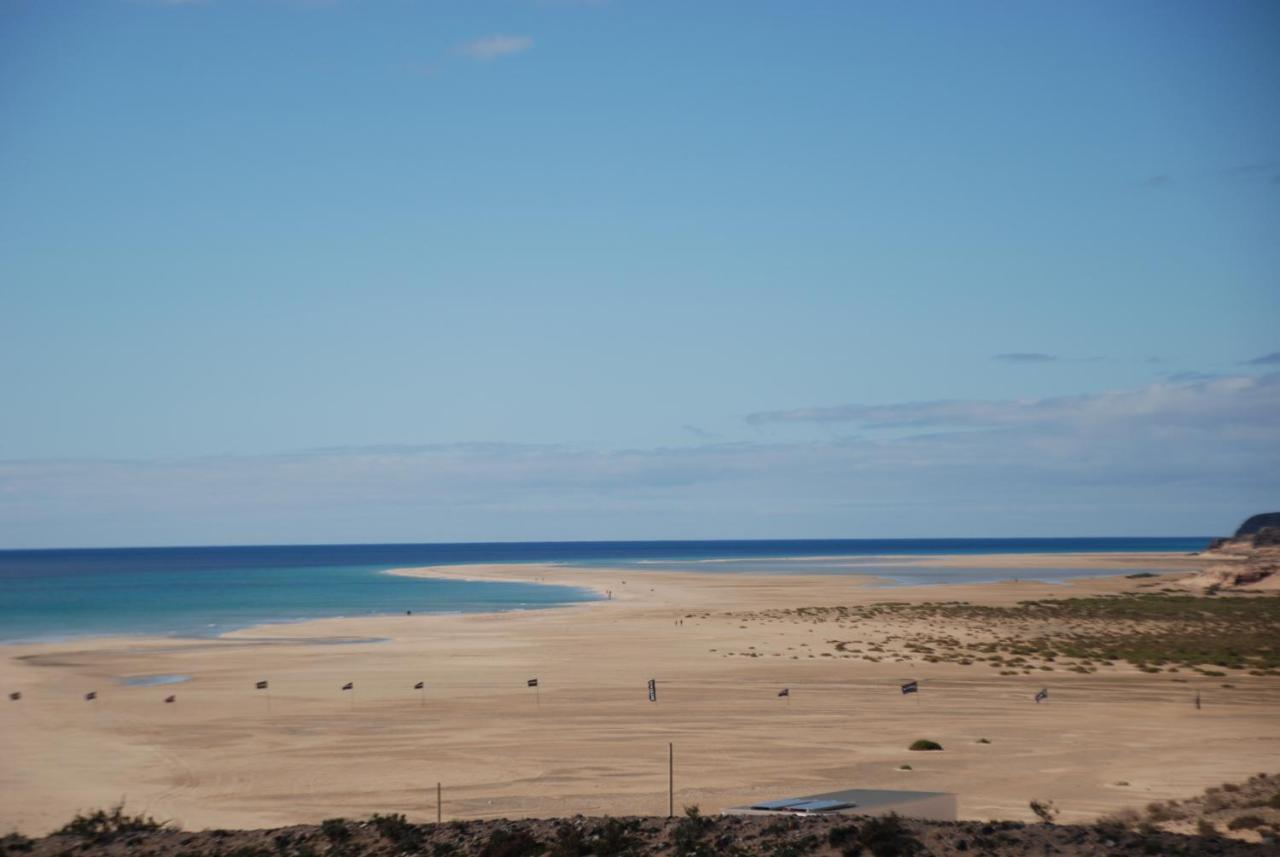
(844, 837)
(1205, 827)
(887, 836)
(925, 744)
(570, 841)
(511, 842)
(397, 830)
(335, 830)
(614, 839)
(16, 842)
(102, 826)
(689, 832)
(1044, 810)
(984, 740)
(1246, 822)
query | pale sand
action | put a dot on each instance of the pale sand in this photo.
(594, 744)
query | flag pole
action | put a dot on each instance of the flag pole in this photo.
(439, 804)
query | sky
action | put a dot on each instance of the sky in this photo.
(291, 271)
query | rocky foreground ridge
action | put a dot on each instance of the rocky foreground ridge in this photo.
(1231, 820)
(1248, 561)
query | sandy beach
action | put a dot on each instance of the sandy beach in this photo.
(587, 740)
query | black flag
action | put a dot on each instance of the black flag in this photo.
(786, 691)
(653, 690)
(1043, 694)
(349, 686)
(16, 695)
(91, 695)
(171, 699)
(911, 687)
(262, 685)
(533, 682)
(420, 685)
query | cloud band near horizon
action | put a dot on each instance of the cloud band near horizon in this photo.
(1161, 460)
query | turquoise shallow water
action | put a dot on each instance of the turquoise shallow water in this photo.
(205, 591)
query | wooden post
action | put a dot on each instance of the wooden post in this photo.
(671, 780)
(439, 812)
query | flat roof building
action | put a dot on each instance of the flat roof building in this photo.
(933, 806)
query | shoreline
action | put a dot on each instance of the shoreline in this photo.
(508, 572)
(226, 755)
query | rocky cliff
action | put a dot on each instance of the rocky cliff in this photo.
(1258, 522)
(1249, 560)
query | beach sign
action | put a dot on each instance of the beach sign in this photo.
(911, 687)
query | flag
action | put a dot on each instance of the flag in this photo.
(91, 695)
(533, 682)
(420, 685)
(1043, 694)
(653, 690)
(171, 699)
(16, 695)
(351, 685)
(911, 687)
(786, 691)
(262, 685)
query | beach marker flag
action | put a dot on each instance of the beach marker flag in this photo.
(262, 685)
(171, 698)
(911, 687)
(16, 695)
(420, 685)
(349, 686)
(537, 694)
(786, 691)
(1042, 695)
(653, 690)
(533, 682)
(91, 696)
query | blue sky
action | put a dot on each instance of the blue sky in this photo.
(290, 271)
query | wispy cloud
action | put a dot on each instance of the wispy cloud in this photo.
(1272, 359)
(1169, 403)
(1025, 357)
(1156, 181)
(495, 46)
(700, 433)
(1161, 459)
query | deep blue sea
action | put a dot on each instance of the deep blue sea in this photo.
(205, 591)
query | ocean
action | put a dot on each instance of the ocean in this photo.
(206, 591)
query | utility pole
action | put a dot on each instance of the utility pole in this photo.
(671, 780)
